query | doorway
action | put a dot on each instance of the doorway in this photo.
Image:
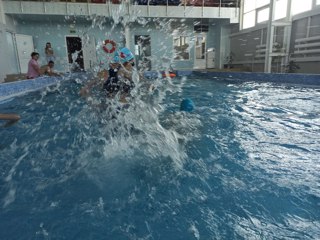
(12, 54)
(24, 48)
(142, 44)
(75, 54)
(200, 51)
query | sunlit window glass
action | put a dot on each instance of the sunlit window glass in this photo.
(249, 19)
(261, 3)
(299, 6)
(280, 9)
(318, 2)
(249, 5)
(263, 15)
(181, 48)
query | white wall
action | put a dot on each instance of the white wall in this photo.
(7, 24)
(54, 29)
(2, 43)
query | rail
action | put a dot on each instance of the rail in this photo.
(195, 3)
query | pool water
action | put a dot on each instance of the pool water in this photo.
(243, 165)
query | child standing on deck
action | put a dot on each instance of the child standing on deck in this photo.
(49, 53)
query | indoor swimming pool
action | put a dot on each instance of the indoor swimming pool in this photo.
(244, 164)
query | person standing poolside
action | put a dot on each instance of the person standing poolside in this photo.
(49, 52)
(33, 66)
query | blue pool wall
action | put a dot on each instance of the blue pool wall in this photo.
(285, 78)
(11, 89)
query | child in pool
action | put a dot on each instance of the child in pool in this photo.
(119, 76)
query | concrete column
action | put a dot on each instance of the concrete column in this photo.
(270, 35)
(224, 43)
(127, 36)
(287, 33)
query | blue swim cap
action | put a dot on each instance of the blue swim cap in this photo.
(125, 55)
(186, 105)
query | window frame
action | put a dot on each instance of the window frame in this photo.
(260, 10)
(263, 5)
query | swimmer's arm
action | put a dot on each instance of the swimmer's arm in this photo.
(146, 82)
(126, 74)
(103, 74)
(123, 98)
(54, 73)
(45, 70)
(11, 118)
(84, 91)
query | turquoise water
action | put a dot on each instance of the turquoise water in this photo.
(243, 165)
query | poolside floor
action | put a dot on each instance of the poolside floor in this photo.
(14, 77)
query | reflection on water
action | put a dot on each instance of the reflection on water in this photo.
(287, 146)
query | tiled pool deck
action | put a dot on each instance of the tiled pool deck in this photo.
(11, 89)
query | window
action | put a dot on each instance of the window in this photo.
(249, 5)
(261, 3)
(318, 2)
(263, 15)
(249, 19)
(181, 48)
(299, 6)
(280, 9)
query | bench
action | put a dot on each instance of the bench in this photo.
(307, 49)
(260, 52)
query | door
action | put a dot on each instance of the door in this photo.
(89, 52)
(75, 54)
(24, 48)
(12, 57)
(200, 51)
(143, 51)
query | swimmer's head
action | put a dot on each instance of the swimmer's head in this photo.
(187, 105)
(125, 55)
